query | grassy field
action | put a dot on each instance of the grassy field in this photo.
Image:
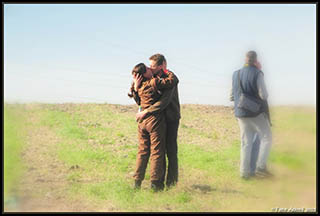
(81, 157)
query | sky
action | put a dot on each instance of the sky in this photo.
(84, 53)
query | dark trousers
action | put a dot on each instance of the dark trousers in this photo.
(172, 153)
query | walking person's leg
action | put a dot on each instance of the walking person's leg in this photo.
(247, 133)
(263, 127)
(172, 153)
(142, 156)
(254, 154)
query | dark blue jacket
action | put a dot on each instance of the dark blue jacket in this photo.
(248, 77)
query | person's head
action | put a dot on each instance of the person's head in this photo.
(251, 57)
(142, 69)
(157, 63)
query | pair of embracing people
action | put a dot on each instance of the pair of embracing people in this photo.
(155, 90)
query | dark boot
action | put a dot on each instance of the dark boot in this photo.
(137, 184)
(171, 184)
(157, 186)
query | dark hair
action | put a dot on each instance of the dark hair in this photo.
(138, 69)
(252, 57)
(158, 58)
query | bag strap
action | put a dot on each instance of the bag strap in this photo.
(241, 88)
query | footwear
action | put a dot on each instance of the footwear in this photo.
(170, 184)
(137, 184)
(263, 173)
(157, 186)
(252, 174)
(245, 177)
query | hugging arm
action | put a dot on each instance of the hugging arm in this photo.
(162, 103)
(169, 82)
(158, 106)
(165, 83)
(168, 85)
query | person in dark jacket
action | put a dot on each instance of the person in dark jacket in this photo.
(254, 126)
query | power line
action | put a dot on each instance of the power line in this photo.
(144, 53)
(87, 83)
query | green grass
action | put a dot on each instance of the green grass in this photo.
(218, 163)
(13, 142)
(102, 141)
(288, 159)
(295, 129)
(297, 119)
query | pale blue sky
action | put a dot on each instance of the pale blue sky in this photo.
(85, 52)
